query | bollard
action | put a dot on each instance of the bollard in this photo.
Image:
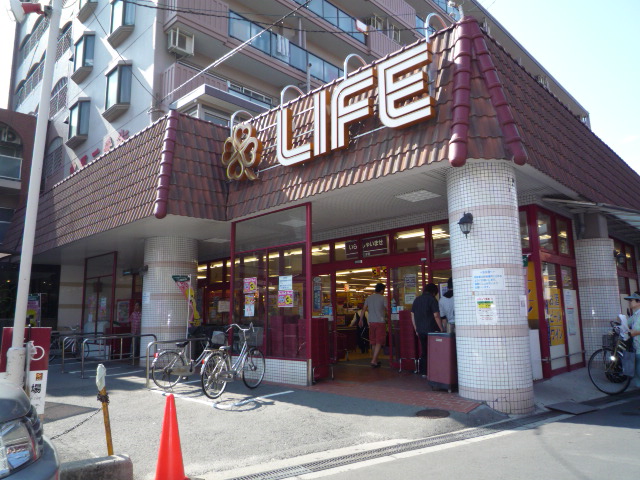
(104, 398)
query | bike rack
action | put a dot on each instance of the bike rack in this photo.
(95, 338)
(114, 336)
(156, 342)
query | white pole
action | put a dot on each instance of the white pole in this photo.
(16, 355)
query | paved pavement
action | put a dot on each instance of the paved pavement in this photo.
(252, 431)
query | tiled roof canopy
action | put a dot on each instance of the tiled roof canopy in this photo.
(173, 167)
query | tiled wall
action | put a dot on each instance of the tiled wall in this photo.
(493, 353)
(289, 372)
(70, 300)
(599, 294)
(164, 307)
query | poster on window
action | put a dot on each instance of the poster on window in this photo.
(249, 305)
(285, 298)
(285, 282)
(250, 285)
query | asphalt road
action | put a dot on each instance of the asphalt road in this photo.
(591, 446)
(245, 428)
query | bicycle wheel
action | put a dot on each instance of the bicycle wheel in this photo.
(212, 385)
(54, 349)
(253, 368)
(162, 369)
(605, 371)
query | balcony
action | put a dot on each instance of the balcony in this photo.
(208, 24)
(179, 73)
(381, 44)
(208, 89)
(399, 10)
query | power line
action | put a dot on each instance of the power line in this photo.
(235, 50)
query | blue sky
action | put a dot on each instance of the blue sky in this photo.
(590, 50)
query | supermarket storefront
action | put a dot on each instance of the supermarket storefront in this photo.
(366, 180)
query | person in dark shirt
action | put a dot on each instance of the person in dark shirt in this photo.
(425, 316)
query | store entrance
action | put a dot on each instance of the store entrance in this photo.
(352, 288)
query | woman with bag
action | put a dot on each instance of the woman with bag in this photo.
(634, 330)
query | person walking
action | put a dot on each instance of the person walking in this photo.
(634, 330)
(375, 305)
(425, 316)
(135, 319)
(446, 308)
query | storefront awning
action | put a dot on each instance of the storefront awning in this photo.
(627, 215)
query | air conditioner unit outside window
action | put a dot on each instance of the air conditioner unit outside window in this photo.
(180, 42)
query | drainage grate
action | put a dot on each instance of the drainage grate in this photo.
(432, 413)
(326, 464)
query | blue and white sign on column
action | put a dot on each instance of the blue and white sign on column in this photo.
(487, 279)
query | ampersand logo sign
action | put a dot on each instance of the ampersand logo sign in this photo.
(242, 153)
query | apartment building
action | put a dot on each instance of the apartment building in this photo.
(121, 64)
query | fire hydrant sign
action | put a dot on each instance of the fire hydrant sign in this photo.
(486, 312)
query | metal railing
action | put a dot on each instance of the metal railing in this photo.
(157, 342)
(100, 340)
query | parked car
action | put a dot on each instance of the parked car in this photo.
(25, 454)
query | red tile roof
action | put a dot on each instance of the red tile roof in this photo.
(503, 114)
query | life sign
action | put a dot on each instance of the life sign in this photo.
(403, 100)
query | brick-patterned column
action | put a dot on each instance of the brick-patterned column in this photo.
(599, 293)
(494, 364)
(165, 314)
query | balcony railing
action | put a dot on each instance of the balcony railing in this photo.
(335, 16)
(10, 167)
(208, 15)
(381, 44)
(279, 47)
(399, 10)
(179, 73)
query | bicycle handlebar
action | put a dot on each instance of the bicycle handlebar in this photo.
(240, 328)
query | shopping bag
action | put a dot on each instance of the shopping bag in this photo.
(629, 364)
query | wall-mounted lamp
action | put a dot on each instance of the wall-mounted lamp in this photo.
(620, 257)
(465, 223)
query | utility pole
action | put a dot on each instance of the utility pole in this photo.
(17, 353)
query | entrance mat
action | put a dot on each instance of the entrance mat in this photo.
(54, 411)
(573, 408)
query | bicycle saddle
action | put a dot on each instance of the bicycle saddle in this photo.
(182, 344)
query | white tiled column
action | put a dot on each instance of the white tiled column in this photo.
(494, 365)
(164, 307)
(599, 294)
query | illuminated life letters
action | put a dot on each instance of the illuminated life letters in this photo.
(403, 100)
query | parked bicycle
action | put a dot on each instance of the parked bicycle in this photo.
(169, 366)
(605, 365)
(217, 370)
(71, 342)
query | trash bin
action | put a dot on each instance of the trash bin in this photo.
(442, 370)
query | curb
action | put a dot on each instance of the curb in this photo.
(115, 467)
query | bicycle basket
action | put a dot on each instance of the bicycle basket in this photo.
(218, 338)
(609, 340)
(254, 339)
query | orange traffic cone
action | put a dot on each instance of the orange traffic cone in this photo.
(170, 466)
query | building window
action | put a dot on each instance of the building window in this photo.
(320, 254)
(83, 57)
(409, 241)
(78, 123)
(376, 22)
(122, 21)
(118, 87)
(563, 237)
(440, 240)
(58, 97)
(544, 232)
(5, 221)
(524, 230)
(10, 153)
(394, 33)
